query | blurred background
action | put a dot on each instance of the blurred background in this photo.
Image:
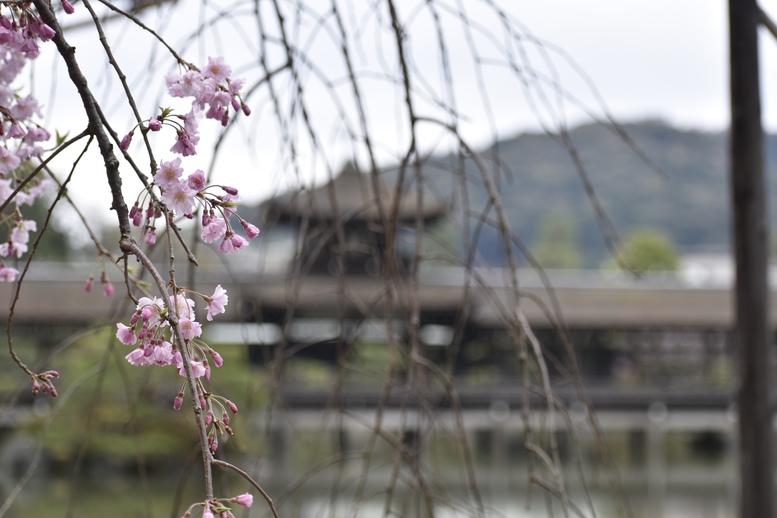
(493, 279)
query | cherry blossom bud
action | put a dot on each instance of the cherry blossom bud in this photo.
(154, 125)
(178, 401)
(203, 405)
(45, 32)
(150, 238)
(35, 386)
(225, 418)
(214, 445)
(54, 392)
(107, 286)
(125, 142)
(229, 190)
(217, 359)
(208, 514)
(251, 230)
(246, 109)
(232, 406)
(228, 430)
(67, 7)
(89, 284)
(246, 500)
(235, 104)
(208, 418)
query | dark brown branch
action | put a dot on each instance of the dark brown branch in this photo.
(95, 128)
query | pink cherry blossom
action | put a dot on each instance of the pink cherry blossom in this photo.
(189, 328)
(196, 180)
(235, 85)
(8, 161)
(150, 310)
(213, 230)
(238, 242)
(227, 246)
(8, 274)
(169, 173)
(184, 307)
(16, 131)
(216, 302)
(36, 134)
(187, 85)
(184, 145)
(179, 198)
(25, 108)
(198, 368)
(163, 354)
(217, 69)
(126, 335)
(138, 358)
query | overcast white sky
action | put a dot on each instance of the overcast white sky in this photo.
(651, 58)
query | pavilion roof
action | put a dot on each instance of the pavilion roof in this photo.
(352, 195)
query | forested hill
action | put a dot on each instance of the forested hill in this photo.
(689, 203)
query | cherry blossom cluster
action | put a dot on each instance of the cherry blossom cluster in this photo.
(20, 136)
(184, 195)
(218, 506)
(213, 92)
(150, 331)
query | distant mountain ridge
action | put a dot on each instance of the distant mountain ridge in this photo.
(690, 204)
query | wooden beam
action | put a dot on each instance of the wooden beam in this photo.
(751, 238)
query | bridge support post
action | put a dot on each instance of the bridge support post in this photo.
(657, 416)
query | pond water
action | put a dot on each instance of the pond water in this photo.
(688, 488)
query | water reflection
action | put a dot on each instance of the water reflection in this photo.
(691, 474)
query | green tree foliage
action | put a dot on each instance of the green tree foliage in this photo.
(557, 244)
(647, 250)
